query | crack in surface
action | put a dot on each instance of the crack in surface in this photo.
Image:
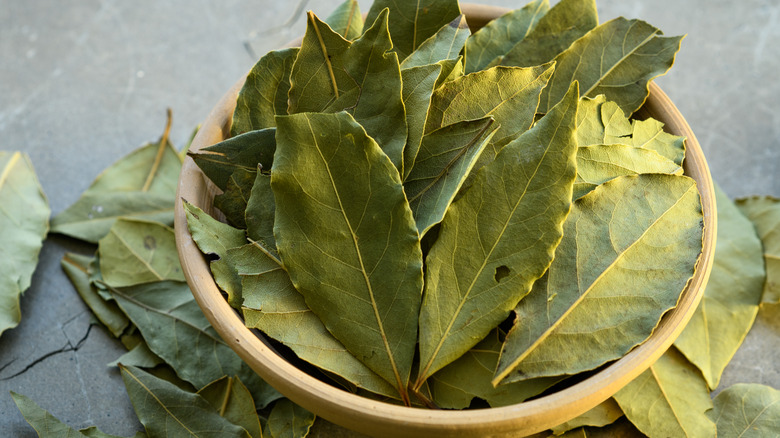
(68, 347)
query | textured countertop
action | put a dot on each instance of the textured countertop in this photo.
(84, 82)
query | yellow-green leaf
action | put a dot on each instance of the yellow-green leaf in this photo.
(730, 302)
(764, 212)
(234, 200)
(498, 238)
(347, 20)
(628, 250)
(747, 410)
(668, 400)
(603, 414)
(288, 420)
(24, 222)
(418, 86)
(499, 36)
(617, 59)
(347, 237)
(443, 45)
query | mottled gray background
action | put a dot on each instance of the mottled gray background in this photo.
(84, 82)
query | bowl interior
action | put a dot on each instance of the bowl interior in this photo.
(382, 419)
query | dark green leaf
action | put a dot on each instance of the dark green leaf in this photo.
(443, 45)
(230, 398)
(412, 25)
(499, 36)
(445, 159)
(346, 20)
(616, 59)
(747, 410)
(628, 250)
(264, 94)
(565, 23)
(494, 242)
(139, 356)
(232, 203)
(346, 235)
(243, 152)
(288, 420)
(730, 301)
(364, 78)
(176, 330)
(260, 210)
(167, 411)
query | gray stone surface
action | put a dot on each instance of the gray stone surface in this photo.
(86, 81)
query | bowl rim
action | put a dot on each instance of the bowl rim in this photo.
(383, 419)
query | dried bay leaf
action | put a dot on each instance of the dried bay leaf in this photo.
(362, 272)
(273, 305)
(166, 410)
(347, 20)
(410, 27)
(418, 86)
(48, 426)
(135, 252)
(233, 202)
(451, 69)
(498, 36)
(24, 223)
(628, 250)
(747, 410)
(601, 122)
(243, 152)
(264, 94)
(230, 398)
(139, 356)
(445, 44)
(471, 287)
(456, 385)
(445, 159)
(565, 23)
(288, 420)
(649, 134)
(764, 212)
(730, 302)
(260, 210)
(77, 267)
(140, 185)
(622, 55)
(176, 330)
(668, 400)
(622, 428)
(215, 237)
(598, 164)
(603, 414)
(363, 77)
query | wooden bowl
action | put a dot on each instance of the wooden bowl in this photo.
(382, 419)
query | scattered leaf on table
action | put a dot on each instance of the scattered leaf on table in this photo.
(764, 212)
(603, 414)
(233, 202)
(556, 30)
(346, 20)
(272, 305)
(446, 157)
(230, 398)
(598, 164)
(288, 420)
(264, 94)
(418, 86)
(730, 302)
(456, 385)
(668, 400)
(623, 56)
(410, 27)
(444, 44)
(260, 211)
(332, 74)
(135, 252)
(140, 185)
(49, 426)
(176, 330)
(628, 250)
(76, 267)
(242, 152)
(215, 237)
(24, 222)
(509, 94)
(494, 241)
(167, 411)
(747, 410)
(347, 237)
(498, 36)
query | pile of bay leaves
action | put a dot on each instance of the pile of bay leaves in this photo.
(400, 195)
(431, 217)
